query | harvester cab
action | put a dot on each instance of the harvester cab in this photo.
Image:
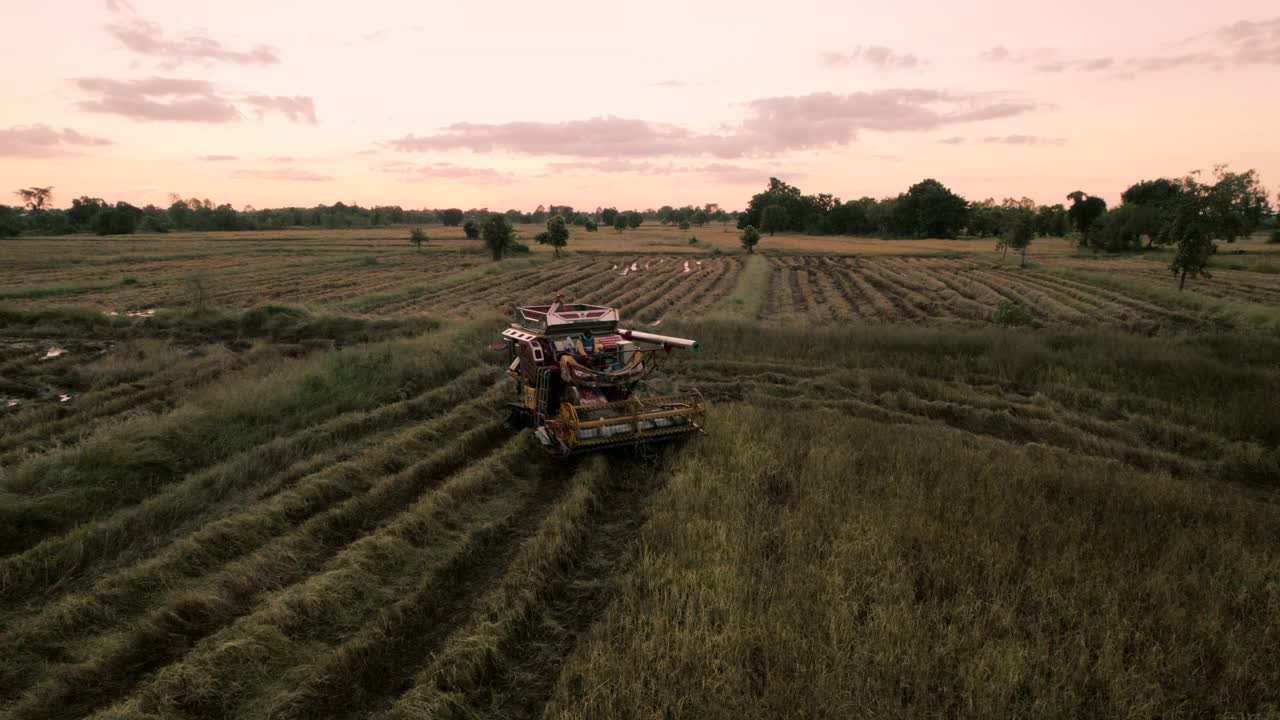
(575, 372)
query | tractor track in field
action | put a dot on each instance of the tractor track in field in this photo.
(575, 601)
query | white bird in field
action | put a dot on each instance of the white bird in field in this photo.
(686, 266)
(635, 267)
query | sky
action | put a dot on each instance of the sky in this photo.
(515, 104)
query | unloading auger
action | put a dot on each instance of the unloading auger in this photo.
(575, 372)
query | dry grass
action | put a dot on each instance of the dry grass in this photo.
(815, 565)
(313, 510)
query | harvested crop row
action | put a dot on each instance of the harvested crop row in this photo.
(62, 562)
(434, 537)
(52, 493)
(112, 663)
(43, 427)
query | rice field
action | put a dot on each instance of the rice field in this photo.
(266, 476)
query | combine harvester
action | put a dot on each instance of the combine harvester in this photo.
(575, 372)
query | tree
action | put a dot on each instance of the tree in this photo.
(1235, 204)
(684, 225)
(1122, 229)
(451, 217)
(472, 229)
(1019, 232)
(35, 198)
(1051, 221)
(700, 217)
(417, 237)
(498, 234)
(1191, 230)
(856, 217)
(619, 221)
(557, 234)
(634, 219)
(1084, 213)
(608, 215)
(590, 225)
(773, 218)
(83, 209)
(10, 222)
(1159, 192)
(119, 220)
(929, 210)
(750, 238)
(1150, 204)
(777, 193)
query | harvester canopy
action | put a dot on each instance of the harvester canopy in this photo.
(575, 372)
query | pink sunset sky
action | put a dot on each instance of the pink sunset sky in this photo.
(511, 105)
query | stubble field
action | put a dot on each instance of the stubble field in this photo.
(266, 476)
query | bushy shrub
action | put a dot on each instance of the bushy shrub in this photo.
(1012, 314)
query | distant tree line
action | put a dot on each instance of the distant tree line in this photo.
(87, 214)
(1234, 204)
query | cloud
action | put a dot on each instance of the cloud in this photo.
(1247, 42)
(954, 140)
(38, 141)
(1023, 140)
(410, 172)
(284, 173)
(771, 125)
(183, 100)
(297, 109)
(1243, 43)
(119, 6)
(877, 56)
(279, 159)
(739, 174)
(607, 166)
(997, 53)
(157, 98)
(670, 84)
(1023, 56)
(723, 172)
(148, 38)
(217, 158)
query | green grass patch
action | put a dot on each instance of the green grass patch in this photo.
(747, 301)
